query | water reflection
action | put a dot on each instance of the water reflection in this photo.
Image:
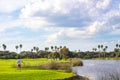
(96, 69)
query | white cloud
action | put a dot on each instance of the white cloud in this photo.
(112, 13)
(54, 37)
(87, 32)
(119, 6)
(8, 6)
(33, 23)
(59, 7)
(95, 27)
(103, 4)
(36, 23)
(77, 33)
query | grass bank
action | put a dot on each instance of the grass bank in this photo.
(7, 72)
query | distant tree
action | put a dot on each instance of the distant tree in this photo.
(32, 53)
(52, 48)
(116, 50)
(31, 50)
(37, 49)
(101, 46)
(34, 48)
(99, 50)
(104, 51)
(4, 47)
(95, 49)
(46, 49)
(117, 45)
(55, 48)
(60, 47)
(16, 48)
(64, 51)
(106, 47)
(20, 47)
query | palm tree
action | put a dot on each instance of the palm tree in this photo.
(95, 49)
(31, 53)
(37, 49)
(55, 48)
(52, 48)
(4, 47)
(60, 47)
(119, 45)
(99, 50)
(16, 48)
(105, 50)
(116, 50)
(106, 47)
(98, 46)
(46, 49)
(34, 49)
(116, 45)
(20, 47)
(101, 46)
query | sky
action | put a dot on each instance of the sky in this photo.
(77, 24)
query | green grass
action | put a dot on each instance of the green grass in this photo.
(7, 72)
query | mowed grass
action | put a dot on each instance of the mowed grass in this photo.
(8, 72)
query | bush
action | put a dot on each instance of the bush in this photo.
(52, 66)
(76, 62)
(56, 66)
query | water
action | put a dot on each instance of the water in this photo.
(94, 69)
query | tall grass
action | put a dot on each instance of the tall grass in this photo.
(57, 65)
(109, 76)
(51, 66)
(76, 62)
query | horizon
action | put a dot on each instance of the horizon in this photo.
(77, 24)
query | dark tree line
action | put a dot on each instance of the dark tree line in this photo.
(55, 52)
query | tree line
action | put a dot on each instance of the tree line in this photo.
(55, 52)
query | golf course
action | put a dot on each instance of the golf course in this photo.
(9, 71)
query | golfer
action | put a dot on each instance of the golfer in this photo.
(19, 63)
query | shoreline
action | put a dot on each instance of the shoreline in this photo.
(76, 77)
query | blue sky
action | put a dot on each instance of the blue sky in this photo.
(77, 24)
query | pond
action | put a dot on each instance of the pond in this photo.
(99, 69)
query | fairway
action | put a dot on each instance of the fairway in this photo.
(8, 72)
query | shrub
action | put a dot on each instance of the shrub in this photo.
(76, 62)
(53, 65)
(56, 66)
